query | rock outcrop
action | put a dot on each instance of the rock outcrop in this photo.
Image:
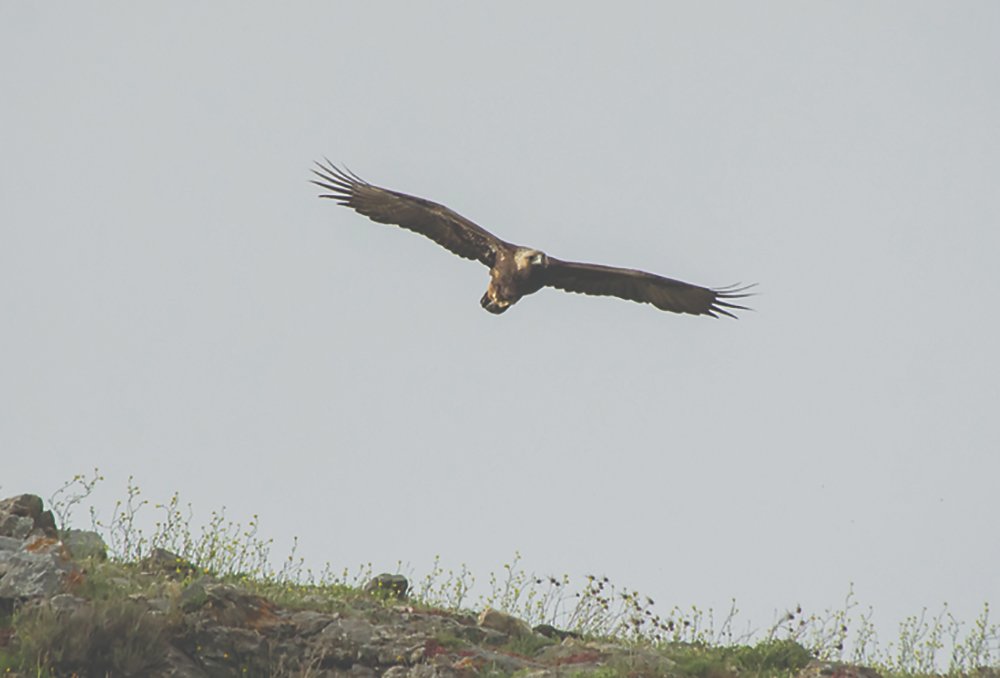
(33, 561)
(65, 607)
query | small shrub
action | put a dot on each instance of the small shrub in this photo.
(772, 656)
(528, 645)
(103, 637)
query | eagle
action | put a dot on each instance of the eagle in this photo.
(517, 271)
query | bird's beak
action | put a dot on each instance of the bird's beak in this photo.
(492, 306)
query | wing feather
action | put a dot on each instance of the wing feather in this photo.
(442, 225)
(663, 293)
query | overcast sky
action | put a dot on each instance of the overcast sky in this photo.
(176, 304)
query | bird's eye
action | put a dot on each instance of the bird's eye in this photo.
(538, 259)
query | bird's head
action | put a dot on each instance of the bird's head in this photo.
(526, 258)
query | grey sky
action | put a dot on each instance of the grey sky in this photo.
(178, 305)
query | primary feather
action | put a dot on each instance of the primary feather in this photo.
(665, 294)
(442, 225)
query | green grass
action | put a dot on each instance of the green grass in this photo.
(113, 636)
(527, 646)
(701, 643)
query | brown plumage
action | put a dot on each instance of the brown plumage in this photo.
(517, 271)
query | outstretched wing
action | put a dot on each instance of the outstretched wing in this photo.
(445, 227)
(663, 293)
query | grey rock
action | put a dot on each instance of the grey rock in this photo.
(393, 585)
(482, 660)
(361, 671)
(176, 664)
(419, 671)
(168, 562)
(823, 669)
(572, 651)
(160, 605)
(222, 642)
(550, 631)
(353, 631)
(17, 527)
(84, 544)
(225, 605)
(426, 671)
(24, 515)
(480, 636)
(504, 623)
(646, 661)
(194, 595)
(308, 623)
(36, 569)
(345, 642)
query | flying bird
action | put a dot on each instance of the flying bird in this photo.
(517, 271)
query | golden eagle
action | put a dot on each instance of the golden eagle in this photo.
(517, 271)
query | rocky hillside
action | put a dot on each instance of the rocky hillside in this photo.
(66, 610)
